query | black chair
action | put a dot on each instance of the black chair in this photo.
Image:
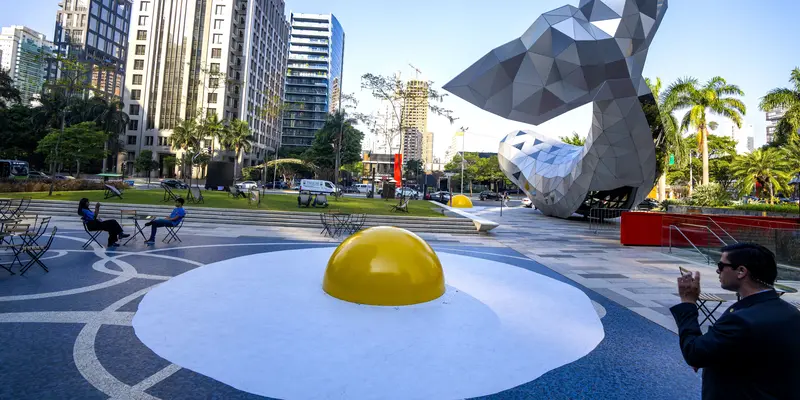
(112, 192)
(36, 253)
(356, 223)
(31, 237)
(169, 195)
(92, 236)
(327, 229)
(172, 233)
(402, 206)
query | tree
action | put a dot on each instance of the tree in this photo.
(670, 143)
(392, 90)
(715, 97)
(237, 136)
(765, 166)
(211, 129)
(789, 100)
(81, 142)
(792, 153)
(574, 140)
(470, 169)
(109, 116)
(185, 137)
(19, 136)
(322, 152)
(145, 163)
(8, 93)
(414, 169)
(169, 164)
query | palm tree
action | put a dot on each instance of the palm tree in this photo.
(792, 153)
(715, 97)
(237, 136)
(765, 166)
(785, 99)
(109, 116)
(574, 140)
(671, 140)
(211, 128)
(184, 137)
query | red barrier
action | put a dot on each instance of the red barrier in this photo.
(652, 229)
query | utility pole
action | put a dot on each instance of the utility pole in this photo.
(463, 139)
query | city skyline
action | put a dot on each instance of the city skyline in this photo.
(722, 41)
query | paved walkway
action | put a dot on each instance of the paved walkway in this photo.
(643, 279)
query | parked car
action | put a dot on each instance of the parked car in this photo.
(63, 178)
(37, 176)
(174, 183)
(247, 185)
(527, 203)
(489, 195)
(407, 192)
(276, 185)
(648, 205)
(318, 186)
(441, 196)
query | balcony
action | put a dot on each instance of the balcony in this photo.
(305, 99)
(302, 32)
(295, 40)
(308, 49)
(315, 67)
(293, 56)
(300, 90)
(309, 74)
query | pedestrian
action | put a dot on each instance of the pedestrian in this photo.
(505, 199)
(94, 223)
(174, 219)
(753, 350)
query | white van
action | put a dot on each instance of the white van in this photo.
(363, 187)
(316, 186)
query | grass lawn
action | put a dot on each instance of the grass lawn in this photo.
(274, 202)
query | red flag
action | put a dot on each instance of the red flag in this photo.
(398, 169)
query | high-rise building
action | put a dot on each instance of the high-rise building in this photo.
(313, 76)
(456, 146)
(740, 135)
(751, 143)
(412, 144)
(427, 147)
(192, 60)
(95, 32)
(772, 123)
(23, 54)
(415, 106)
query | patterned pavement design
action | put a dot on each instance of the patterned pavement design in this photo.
(68, 333)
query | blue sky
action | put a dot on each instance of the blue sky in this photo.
(743, 41)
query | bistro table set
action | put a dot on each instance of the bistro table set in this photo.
(335, 223)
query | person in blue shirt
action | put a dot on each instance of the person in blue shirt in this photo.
(94, 223)
(173, 220)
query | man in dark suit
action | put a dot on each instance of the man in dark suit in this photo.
(753, 350)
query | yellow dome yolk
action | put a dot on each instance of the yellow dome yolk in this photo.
(384, 266)
(460, 201)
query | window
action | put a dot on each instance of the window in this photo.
(139, 49)
(213, 82)
(141, 35)
(211, 111)
(216, 53)
(93, 24)
(142, 20)
(148, 140)
(219, 10)
(136, 94)
(216, 38)
(214, 67)
(133, 109)
(217, 24)
(144, 5)
(138, 64)
(212, 98)
(137, 79)
(131, 155)
(132, 126)
(162, 141)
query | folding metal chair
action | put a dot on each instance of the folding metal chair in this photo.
(326, 225)
(169, 195)
(172, 233)
(15, 248)
(36, 253)
(92, 237)
(31, 236)
(127, 219)
(23, 205)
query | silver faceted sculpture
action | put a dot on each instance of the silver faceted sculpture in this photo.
(567, 58)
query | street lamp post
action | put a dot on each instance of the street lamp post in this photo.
(463, 139)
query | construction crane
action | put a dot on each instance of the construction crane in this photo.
(415, 69)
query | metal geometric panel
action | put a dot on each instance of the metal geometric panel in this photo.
(569, 57)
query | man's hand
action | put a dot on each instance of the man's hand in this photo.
(689, 287)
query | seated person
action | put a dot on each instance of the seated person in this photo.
(93, 223)
(173, 220)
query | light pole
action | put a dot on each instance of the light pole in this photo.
(463, 139)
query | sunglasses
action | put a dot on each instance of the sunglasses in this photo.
(721, 265)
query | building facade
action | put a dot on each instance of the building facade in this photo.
(199, 60)
(94, 32)
(412, 144)
(313, 76)
(24, 54)
(772, 123)
(382, 165)
(751, 144)
(456, 146)
(427, 147)
(414, 115)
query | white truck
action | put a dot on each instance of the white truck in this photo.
(317, 186)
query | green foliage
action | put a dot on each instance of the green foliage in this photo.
(574, 140)
(170, 162)
(413, 169)
(711, 195)
(788, 99)
(19, 136)
(61, 186)
(322, 152)
(8, 93)
(769, 167)
(145, 163)
(785, 208)
(477, 170)
(79, 143)
(664, 205)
